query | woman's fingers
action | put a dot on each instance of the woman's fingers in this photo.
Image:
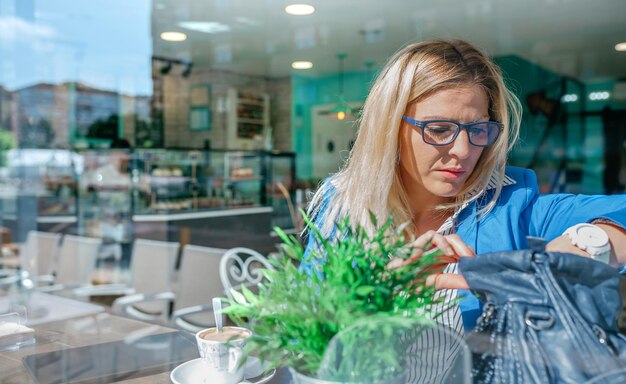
(420, 246)
(395, 263)
(423, 239)
(447, 281)
(451, 245)
(431, 239)
(459, 246)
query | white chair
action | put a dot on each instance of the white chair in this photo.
(39, 254)
(198, 283)
(242, 267)
(76, 262)
(152, 269)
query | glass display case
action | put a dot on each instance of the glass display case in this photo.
(219, 198)
(169, 181)
(115, 193)
(117, 184)
(165, 180)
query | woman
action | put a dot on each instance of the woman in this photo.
(431, 150)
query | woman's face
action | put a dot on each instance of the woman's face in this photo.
(440, 172)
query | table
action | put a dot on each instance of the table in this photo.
(102, 348)
(45, 308)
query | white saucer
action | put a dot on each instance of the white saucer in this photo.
(191, 372)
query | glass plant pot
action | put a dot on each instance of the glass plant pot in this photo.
(299, 378)
(381, 353)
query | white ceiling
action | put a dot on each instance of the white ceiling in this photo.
(571, 37)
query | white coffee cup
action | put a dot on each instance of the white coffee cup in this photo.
(222, 353)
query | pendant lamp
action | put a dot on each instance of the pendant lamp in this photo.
(342, 110)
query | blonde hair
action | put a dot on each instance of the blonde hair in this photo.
(369, 180)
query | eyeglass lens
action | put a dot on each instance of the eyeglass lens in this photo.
(442, 133)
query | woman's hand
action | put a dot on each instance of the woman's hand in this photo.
(563, 244)
(453, 248)
(617, 238)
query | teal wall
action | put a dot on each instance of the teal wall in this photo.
(308, 92)
(562, 138)
(580, 138)
(594, 137)
(524, 77)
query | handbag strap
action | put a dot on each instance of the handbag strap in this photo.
(579, 330)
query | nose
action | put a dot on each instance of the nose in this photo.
(461, 147)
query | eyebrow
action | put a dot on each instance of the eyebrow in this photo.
(446, 118)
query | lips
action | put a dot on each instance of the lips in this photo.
(452, 173)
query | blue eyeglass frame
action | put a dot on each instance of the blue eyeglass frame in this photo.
(421, 123)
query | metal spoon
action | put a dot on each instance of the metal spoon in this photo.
(217, 312)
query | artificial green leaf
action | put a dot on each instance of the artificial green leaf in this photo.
(365, 290)
(295, 315)
(239, 298)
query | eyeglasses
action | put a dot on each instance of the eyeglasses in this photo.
(444, 132)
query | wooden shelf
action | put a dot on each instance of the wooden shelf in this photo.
(248, 118)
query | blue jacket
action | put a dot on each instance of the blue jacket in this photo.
(520, 212)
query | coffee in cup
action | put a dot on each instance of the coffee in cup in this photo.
(221, 353)
(227, 334)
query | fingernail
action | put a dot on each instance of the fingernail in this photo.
(395, 263)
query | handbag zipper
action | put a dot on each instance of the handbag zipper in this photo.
(488, 312)
(601, 335)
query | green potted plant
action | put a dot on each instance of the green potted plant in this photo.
(302, 320)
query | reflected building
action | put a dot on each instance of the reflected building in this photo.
(60, 115)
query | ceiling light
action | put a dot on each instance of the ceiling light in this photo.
(569, 98)
(204, 26)
(299, 9)
(601, 95)
(620, 46)
(301, 65)
(173, 36)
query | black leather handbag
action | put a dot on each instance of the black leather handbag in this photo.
(548, 318)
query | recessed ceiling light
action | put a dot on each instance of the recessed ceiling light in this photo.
(173, 36)
(301, 65)
(299, 9)
(204, 26)
(620, 46)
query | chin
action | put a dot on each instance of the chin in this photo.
(447, 192)
(445, 189)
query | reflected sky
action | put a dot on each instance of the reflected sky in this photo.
(103, 43)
